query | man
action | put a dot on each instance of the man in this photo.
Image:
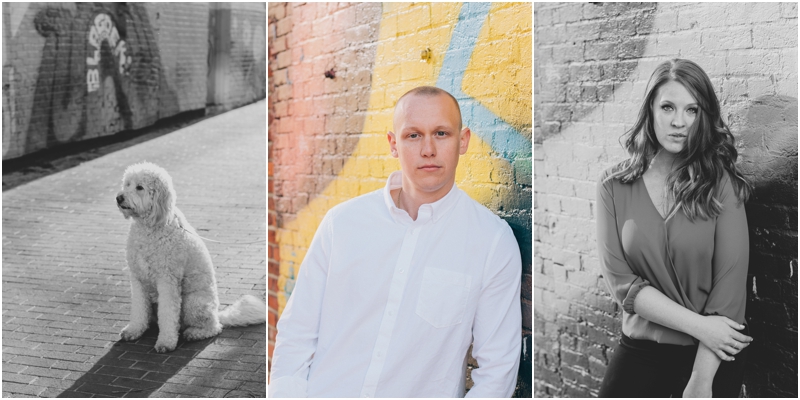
(399, 282)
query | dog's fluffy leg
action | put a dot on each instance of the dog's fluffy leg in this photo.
(140, 312)
(248, 310)
(169, 309)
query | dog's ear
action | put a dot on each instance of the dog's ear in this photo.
(163, 200)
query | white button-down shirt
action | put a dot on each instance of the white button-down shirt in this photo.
(385, 306)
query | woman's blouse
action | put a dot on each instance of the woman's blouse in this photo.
(701, 265)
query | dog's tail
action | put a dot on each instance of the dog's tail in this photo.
(248, 310)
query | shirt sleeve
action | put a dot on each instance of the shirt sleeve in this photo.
(497, 328)
(622, 282)
(298, 327)
(728, 294)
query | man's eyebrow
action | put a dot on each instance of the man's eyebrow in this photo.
(436, 128)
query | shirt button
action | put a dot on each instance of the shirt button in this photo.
(401, 270)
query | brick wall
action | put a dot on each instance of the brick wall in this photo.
(591, 68)
(328, 134)
(75, 71)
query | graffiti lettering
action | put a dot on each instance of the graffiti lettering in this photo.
(104, 29)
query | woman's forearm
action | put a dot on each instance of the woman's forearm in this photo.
(705, 365)
(654, 306)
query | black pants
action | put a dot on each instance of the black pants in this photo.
(644, 368)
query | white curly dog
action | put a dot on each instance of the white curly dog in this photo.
(171, 270)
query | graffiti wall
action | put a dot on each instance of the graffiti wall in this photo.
(74, 71)
(336, 71)
(593, 61)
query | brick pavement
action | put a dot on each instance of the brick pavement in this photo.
(65, 280)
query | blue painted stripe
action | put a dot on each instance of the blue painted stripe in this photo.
(508, 142)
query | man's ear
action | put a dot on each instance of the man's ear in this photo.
(464, 141)
(392, 143)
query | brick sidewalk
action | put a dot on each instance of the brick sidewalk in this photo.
(65, 286)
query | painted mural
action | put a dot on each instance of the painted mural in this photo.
(75, 71)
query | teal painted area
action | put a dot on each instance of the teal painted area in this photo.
(508, 142)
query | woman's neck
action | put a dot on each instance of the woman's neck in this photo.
(663, 162)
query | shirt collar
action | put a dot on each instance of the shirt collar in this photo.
(431, 211)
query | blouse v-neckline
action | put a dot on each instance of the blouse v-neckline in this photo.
(670, 214)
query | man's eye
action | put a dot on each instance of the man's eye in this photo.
(139, 187)
(413, 135)
(441, 133)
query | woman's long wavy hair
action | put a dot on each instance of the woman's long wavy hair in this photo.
(709, 149)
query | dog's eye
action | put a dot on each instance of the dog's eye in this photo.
(139, 187)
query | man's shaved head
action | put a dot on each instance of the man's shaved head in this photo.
(430, 91)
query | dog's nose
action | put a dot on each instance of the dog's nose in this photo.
(120, 199)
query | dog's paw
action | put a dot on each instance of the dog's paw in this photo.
(194, 333)
(165, 345)
(130, 333)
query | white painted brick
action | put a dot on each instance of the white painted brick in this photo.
(752, 62)
(580, 131)
(726, 39)
(573, 170)
(560, 186)
(788, 10)
(744, 13)
(733, 88)
(775, 35)
(538, 152)
(787, 83)
(703, 15)
(757, 87)
(588, 154)
(587, 190)
(554, 149)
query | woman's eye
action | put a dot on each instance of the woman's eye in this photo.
(139, 187)
(693, 110)
(666, 108)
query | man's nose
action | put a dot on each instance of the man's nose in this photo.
(428, 147)
(120, 199)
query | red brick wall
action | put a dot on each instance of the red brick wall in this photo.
(591, 68)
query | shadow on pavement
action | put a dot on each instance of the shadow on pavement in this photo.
(134, 369)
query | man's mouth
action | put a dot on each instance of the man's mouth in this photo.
(429, 167)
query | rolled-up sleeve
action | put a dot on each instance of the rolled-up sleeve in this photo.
(298, 327)
(622, 282)
(728, 294)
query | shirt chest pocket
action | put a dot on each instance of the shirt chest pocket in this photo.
(443, 297)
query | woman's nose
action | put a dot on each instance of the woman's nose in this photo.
(677, 120)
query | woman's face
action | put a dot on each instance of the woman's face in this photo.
(674, 111)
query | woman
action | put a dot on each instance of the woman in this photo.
(673, 245)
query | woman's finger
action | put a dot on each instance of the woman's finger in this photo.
(734, 349)
(733, 324)
(742, 337)
(722, 356)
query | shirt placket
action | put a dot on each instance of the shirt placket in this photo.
(396, 289)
